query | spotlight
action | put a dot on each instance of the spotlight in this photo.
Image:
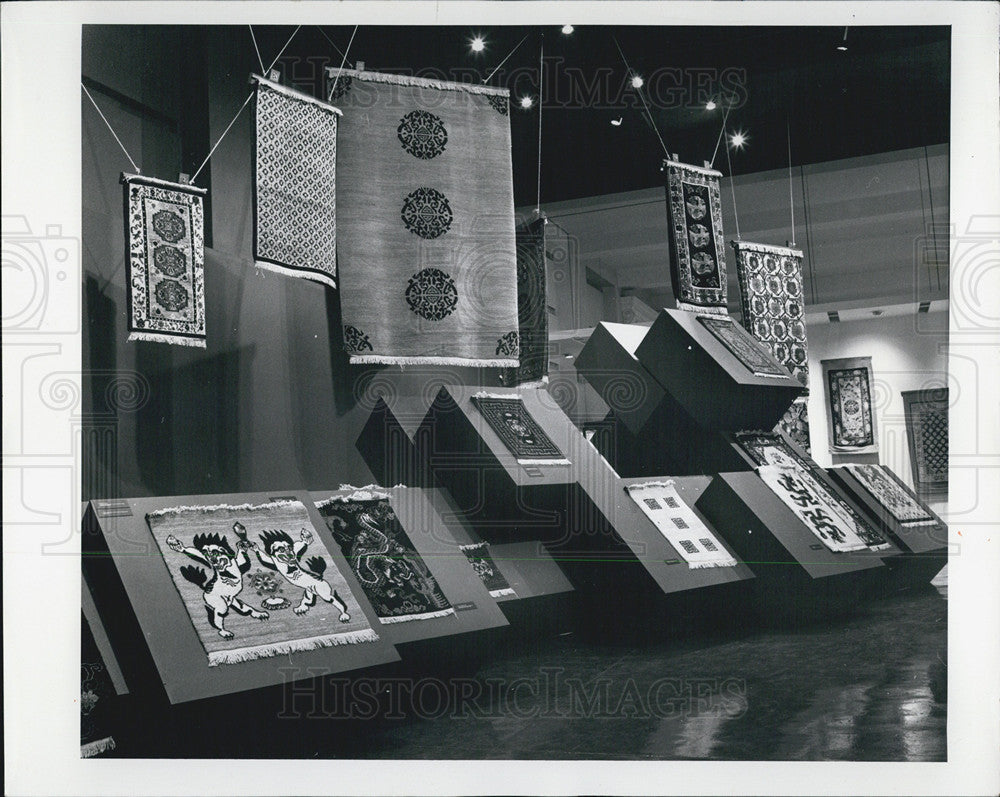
(636, 82)
(617, 122)
(478, 44)
(567, 30)
(738, 139)
(842, 48)
(710, 105)
(527, 102)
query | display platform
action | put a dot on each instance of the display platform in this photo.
(101, 639)
(790, 562)
(506, 492)
(158, 612)
(384, 564)
(716, 371)
(388, 450)
(924, 541)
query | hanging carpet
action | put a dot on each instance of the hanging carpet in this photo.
(926, 414)
(165, 261)
(425, 222)
(851, 420)
(533, 317)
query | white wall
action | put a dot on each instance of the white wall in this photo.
(909, 352)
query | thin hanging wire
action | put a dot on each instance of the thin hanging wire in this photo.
(722, 132)
(541, 95)
(504, 61)
(98, 109)
(333, 84)
(791, 198)
(638, 91)
(335, 47)
(732, 186)
(244, 105)
(260, 60)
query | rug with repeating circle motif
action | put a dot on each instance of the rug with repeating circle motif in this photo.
(427, 265)
(165, 260)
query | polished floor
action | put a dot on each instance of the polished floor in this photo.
(870, 687)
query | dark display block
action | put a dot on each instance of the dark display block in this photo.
(388, 450)
(474, 609)
(708, 380)
(150, 622)
(782, 551)
(925, 545)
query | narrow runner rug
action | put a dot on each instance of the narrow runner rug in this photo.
(801, 493)
(482, 562)
(886, 488)
(520, 433)
(851, 417)
(250, 577)
(425, 221)
(926, 414)
(295, 185)
(795, 423)
(679, 525)
(533, 316)
(770, 449)
(98, 698)
(697, 252)
(393, 575)
(754, 357)
(165, 261)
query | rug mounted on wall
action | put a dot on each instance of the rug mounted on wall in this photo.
(771, 449)
(482, 562)
(886, 488)
(520, 433)
(743, 346)
(256, 580)
(165, 261)
(679, 525)
(926, 414)
(801, 493)
(850, 412)
(295, 185)
(697, 251)
(393, 575)
(425, 222)
(533, 316)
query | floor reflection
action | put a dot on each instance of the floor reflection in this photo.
(870, 687)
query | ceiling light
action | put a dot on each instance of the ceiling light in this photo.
(567, 29)
(527, 101)
(842, 48)
(617, 122)
(478, 44)
(636, 82)
(738, 139)
(710, 105)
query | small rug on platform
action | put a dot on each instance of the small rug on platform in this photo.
(679, 525)
(256, 581)
(520, 433)
(393, 575)
(886, 488)
(165, 261)
(743, 346)
(482, 562)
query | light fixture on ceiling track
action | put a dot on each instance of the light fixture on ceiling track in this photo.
(477, 44)
(843, 44)
(567, 30)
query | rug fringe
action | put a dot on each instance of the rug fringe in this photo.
(425, 616)
(370, 493)
(188, 188)
(499, 593)
(176, 510)
(239, 655)
(645, 485)
(697, 308)
(544, 462)
(313, 276)
(768, 248)
(296, 95)
(728, 562)
(474, 546)
(470, 362)
(91, 749)
(166, 337)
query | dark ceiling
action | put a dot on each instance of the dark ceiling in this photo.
(889, 90)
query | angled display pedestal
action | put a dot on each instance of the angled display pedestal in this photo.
(716, 387)
(150, 624)
(474, 609)
(924, 543)
(795, 572)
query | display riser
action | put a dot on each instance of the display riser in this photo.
(797, 576)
